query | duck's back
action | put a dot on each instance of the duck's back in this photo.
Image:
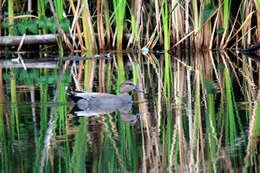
(102, 101)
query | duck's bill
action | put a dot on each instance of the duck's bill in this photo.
(139, 90)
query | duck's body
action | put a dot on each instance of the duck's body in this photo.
(102, 101)
(95, 103)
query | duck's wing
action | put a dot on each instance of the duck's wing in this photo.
(87, 95)
(78, 112)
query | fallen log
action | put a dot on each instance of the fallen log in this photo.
(29, 39)
(36, 39)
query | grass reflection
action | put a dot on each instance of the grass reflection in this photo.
(193, 116)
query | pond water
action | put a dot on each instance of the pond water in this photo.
(198, 113)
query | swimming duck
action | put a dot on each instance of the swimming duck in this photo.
(95, 103)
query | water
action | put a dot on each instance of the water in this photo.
(199, 113)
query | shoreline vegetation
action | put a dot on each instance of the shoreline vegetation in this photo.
(120, 24)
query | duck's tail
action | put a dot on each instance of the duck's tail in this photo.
(73, 96)
(74, 111)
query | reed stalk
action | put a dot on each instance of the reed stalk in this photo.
(166, 31)
(78, 158)
(10, 16)
(230, 123)
(59, 8)
(100, 26)
(43, 122)
(75, 12)
(207, 30)
(177, 14)
(41, 12)
(166, 27)
(90, 44)
(225, 19)
(14, 110)
(3, 129)
(196, 24)
(136, 24)
(256, 119)
(124, 129)
(89, 35)
(107, 22)
(119, 11)
(4, 156)
(121, 71)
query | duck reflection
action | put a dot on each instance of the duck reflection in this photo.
(90, 104)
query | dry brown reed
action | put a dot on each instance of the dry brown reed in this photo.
(187, 19)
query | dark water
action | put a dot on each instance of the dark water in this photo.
(198, 113)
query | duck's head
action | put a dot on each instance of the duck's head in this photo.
(128, 86)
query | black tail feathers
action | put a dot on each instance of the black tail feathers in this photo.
(73, 97)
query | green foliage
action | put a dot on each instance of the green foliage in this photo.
(220, 66)
(65, 24)
(43, 22)
(209, 10)
(50, 24)
(211, 87)
(32, 26)
(30, 77)
(220, 31)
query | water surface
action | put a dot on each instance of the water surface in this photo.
(200, 113)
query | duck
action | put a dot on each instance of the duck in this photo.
(95, 103)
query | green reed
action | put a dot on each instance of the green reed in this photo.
(122, 127)
(78, 158)
(207, 30)
(107, 21)
(89, 35)
(210, 118)
(14, 110)
(62, 118)
(212, 130)
(43, 122)
(197, 109)
(166, 29)
(10, 16)
(58, 4)
(59, 8)
(41, 13)
(121, 71)
(226, 14)
(4, 155)
(131, 136)
(232, 119)
(107, 159)
(119, 11)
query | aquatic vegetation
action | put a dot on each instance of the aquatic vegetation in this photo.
(201, 24)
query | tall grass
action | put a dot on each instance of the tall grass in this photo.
(119, 12)
(191, 22)
(10, 16)
(89, 35)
